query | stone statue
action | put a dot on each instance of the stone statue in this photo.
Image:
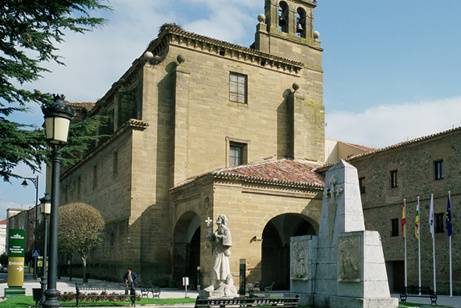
(222, 284)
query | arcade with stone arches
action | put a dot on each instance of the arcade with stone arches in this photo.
(274, 248)
(261, 225)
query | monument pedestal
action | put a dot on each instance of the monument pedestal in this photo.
(344, 266)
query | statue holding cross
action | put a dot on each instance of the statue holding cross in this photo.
(222, 284)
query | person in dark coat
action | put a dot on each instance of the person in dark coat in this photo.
(129, 280)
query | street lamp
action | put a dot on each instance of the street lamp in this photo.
(57, 122)
(35, 182)
(45, 209)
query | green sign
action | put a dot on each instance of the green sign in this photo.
(16, 242)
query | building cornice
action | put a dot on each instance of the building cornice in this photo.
(174, 35)
(128, 126)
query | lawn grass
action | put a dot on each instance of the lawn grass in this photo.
(143, 301)
(20, 301)
(26, 302)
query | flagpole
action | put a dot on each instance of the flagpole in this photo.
(433, 242)
(405, 251)
(449, 252)
(419, 249)
(405, 243)
(451, 269)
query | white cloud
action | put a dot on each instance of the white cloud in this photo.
(228, 20)
(385, 125)
(97, 59)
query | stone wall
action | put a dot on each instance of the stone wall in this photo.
(106, 185)
(415, 165)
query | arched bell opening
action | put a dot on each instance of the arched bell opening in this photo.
(283, 17)
(301, 23)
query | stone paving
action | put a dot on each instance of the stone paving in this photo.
(444, 300)
(64, 285)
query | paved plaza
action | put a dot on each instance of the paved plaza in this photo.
(64, 285)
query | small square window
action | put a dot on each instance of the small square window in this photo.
(394, 178)
(238, 85)
(395, 227)
(237, 154)
(439, 228)
(362, 185)
(438, 170)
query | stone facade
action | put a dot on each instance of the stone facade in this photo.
(249, 205)
(414, 161)
(172, 119)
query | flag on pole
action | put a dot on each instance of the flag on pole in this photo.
(448, 219)
(431, 217)
(404, 218)
(417, 221)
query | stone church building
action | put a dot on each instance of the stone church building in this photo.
(201, 127)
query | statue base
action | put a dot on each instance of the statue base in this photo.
(223, 291)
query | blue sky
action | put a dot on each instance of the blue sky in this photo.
(392, 69)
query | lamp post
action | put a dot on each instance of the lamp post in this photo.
(35, 182)
(45, 209)
(57, 122)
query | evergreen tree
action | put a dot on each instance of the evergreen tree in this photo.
(29, 33)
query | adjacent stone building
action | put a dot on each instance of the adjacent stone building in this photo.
(183, 118)
(411, 169)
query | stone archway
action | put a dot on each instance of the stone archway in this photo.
(186, 249)
(275, 261)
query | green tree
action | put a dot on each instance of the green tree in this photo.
(29, 34)
(80, 230)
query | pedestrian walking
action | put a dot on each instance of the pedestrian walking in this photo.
(129, 280)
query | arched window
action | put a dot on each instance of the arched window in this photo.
(283, 16)
(301, 23)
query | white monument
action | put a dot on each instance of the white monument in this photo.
(222, 284)
(344, 266)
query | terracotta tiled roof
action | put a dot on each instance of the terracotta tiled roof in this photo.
(409, 142)
(4, 222)
(296, 173)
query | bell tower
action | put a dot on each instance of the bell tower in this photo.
(286, 24)
(286, 30)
